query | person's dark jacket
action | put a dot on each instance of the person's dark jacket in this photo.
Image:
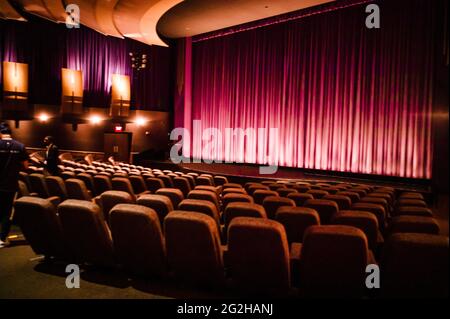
(51, 158)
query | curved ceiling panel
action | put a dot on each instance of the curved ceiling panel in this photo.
(194, 17)
(104, 13)
(47, 9)
(137, 19)
(150, 20)
(8, 12)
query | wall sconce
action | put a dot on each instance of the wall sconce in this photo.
(120, 95)
(72, 91)
(43, 117)
(95, 119)
(140, 121)
(15, 85)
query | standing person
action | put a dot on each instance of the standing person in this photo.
(51, 155)
(13, 158)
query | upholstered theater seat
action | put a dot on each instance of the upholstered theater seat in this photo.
(252, 188)
(317, 193)
(234, 191)
(205, 195)
(343, 202)
(102, 183)
(38, 185)
(234, 197)
(414, 224)
(284, 192)
(301, 188)
(23, 190)
(182, 183)
(193, 248)
(175, 195)
(325, 208)
(161, 204)
(76, 189)
(215, 189)
(385, 195)
(260, 194)
(25, 178)
(68, 174)
(138, 184)
(332, 262)
(296, 220)
(377, 210)
(376, 200)
(56, 187)
(300, 198)
(231, 185)
(167, 180)
(40, 225)
(201, 206)
(410, 202)
(89, 182)
(204, 180)
(275, 186)
(366, 221)
(109, 199)
(220, 180)
(258, 255)
(411, 195)
(191, 179)
(241, 209)
(352, 195)
(413, 211)
(415, 265)
(359, 191)
(123, 184)
(272, 203)
(332, 190)
(86, 232)
(154, 183)
(138, 240)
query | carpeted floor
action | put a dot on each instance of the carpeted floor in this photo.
(25, 275)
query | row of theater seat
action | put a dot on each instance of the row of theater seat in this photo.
(410, 213)
(279, 202)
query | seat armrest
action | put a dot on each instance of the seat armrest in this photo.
(224, 251)
(55, 200)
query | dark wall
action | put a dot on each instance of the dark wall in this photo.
(153, 136)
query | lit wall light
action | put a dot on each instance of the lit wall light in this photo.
(140, 121)
(95, 119)
(15, 77)
(43, 117)
(120, 95)
(72, 91)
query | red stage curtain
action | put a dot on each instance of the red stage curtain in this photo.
(344, 97)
